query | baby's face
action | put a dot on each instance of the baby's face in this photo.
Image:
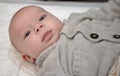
(33, 30)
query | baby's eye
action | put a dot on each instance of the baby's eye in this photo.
(27, 34)
(42, 17)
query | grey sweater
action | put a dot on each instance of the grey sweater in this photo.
(89, 44)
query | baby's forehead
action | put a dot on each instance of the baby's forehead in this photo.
(23, 15)
(29, 11)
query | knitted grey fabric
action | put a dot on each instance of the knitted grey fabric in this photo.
(89, 44)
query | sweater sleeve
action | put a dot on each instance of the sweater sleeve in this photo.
(107, 11)
(112, 8)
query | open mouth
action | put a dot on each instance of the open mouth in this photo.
(47, 36)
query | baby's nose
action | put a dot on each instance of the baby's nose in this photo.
(38, 27)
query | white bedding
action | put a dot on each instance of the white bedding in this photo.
(11, 63)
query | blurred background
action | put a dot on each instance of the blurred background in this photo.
(78, 0)
(62, 0)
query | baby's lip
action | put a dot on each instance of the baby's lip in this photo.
(47, 36)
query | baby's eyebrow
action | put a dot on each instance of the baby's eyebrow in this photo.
(22, 33)
(26, 30)
(26, 34)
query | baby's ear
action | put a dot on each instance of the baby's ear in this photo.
(28, 58)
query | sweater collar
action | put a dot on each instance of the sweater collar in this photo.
(41, 58)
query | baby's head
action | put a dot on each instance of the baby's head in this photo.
(32, 30)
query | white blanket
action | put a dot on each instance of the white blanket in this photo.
(11, 63)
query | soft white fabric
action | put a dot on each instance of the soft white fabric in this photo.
(11, 63)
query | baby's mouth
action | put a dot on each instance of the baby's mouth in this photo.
(47, 36)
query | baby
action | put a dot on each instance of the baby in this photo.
(32, 30)
(86, 44)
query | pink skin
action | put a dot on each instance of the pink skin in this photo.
(32, 30)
